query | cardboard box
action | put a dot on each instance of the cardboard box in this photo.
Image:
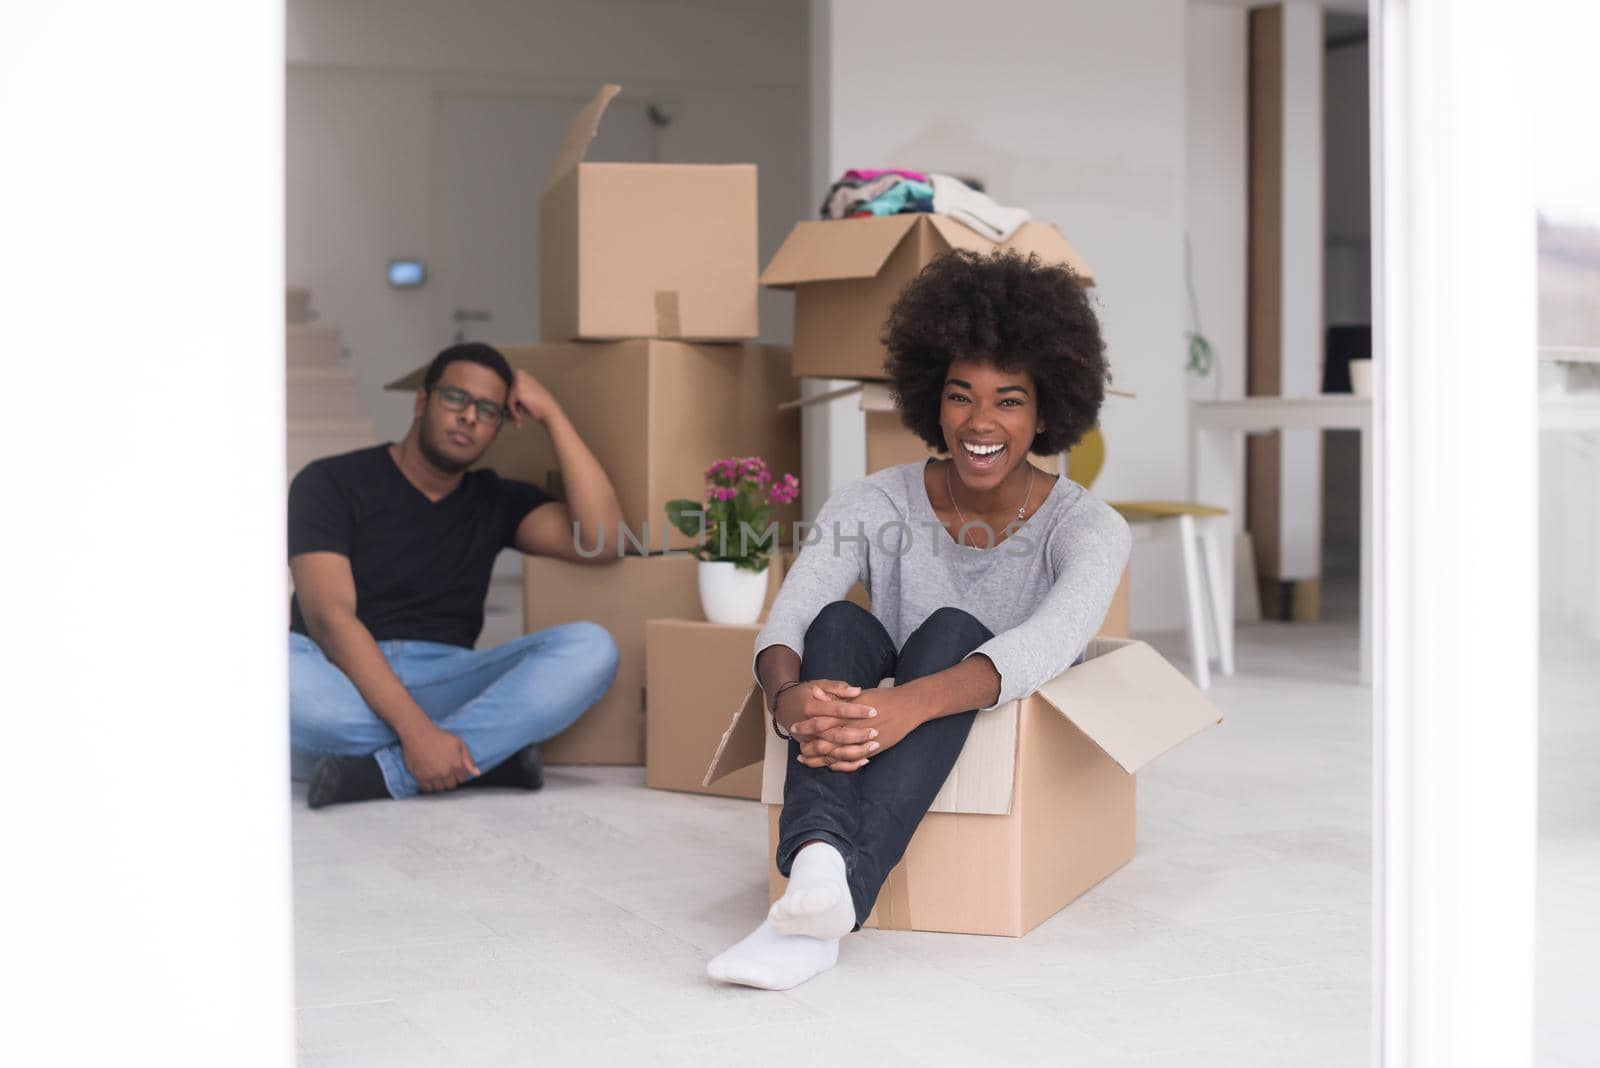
(694, 672)
(645, 249)
(846, 273)
(1040, 804)
(620, 597)
(655, 414)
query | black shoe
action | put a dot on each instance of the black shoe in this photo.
(520, 771)
(337, 779)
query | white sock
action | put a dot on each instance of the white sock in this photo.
(773, 961)
(817, 902)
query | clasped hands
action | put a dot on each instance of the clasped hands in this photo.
(840, 727)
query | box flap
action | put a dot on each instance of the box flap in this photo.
(836, 248)
(743, 743)
(1129, 701)
(579, 133)
(1047, 241)
(960, 235)
(877, 397)
(411, 382)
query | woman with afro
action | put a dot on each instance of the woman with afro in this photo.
(987, 576)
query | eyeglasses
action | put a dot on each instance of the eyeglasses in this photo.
(456, 400)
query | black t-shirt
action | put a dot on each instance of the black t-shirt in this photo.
(421, 567)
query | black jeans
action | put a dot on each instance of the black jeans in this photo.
(870, 814)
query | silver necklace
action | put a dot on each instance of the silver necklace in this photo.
(1022, 513)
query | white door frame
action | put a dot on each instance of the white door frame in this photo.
(147, 796)
(1455, 743)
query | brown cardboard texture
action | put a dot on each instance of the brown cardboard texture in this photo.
(645, 249)
(619, 596)
(694, 672)
(1040, 805)
(847, 272)
(655, 414)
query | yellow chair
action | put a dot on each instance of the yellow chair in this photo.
(1210, 616)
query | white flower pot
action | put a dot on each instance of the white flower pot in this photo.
(730, 595)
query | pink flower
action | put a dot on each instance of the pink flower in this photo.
(785, 491)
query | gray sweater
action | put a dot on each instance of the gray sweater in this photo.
(1042, 592)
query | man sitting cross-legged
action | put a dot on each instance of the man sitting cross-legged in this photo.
(391, 550)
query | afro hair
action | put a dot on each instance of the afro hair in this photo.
(1007, 310)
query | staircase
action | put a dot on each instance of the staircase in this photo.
(323, 409)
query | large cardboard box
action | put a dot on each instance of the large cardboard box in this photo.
(694, 672)
(645, 249)
(1040, 804)
(655, 414)
(846, 273)
(619, 596)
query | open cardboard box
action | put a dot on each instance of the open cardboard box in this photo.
(847, 272)
(1040, 804)
(645, 249)
(655, 414)
(621, 597)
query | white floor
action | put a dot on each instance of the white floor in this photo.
(1568, 976)
(573, 926)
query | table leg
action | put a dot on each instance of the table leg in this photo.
(1214, 478)
(1196, 602)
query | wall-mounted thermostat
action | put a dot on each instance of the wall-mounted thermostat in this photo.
(407, 274)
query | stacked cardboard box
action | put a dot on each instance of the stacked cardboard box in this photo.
(647, 308)
(655, 413)
(622, 597)
(846, 273)
(694, 673)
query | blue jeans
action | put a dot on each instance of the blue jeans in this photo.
(870, 814)
(496, 700)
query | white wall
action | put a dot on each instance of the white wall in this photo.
(1216, 199)
(1216, 218)
(1074, 111)
(360, 86)
(146, 799)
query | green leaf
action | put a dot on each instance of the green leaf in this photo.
(686, 516)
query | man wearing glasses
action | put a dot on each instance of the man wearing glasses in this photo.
(391, 550)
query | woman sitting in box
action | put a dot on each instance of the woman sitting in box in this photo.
(987, 578)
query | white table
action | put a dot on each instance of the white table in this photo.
(1215, 470)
